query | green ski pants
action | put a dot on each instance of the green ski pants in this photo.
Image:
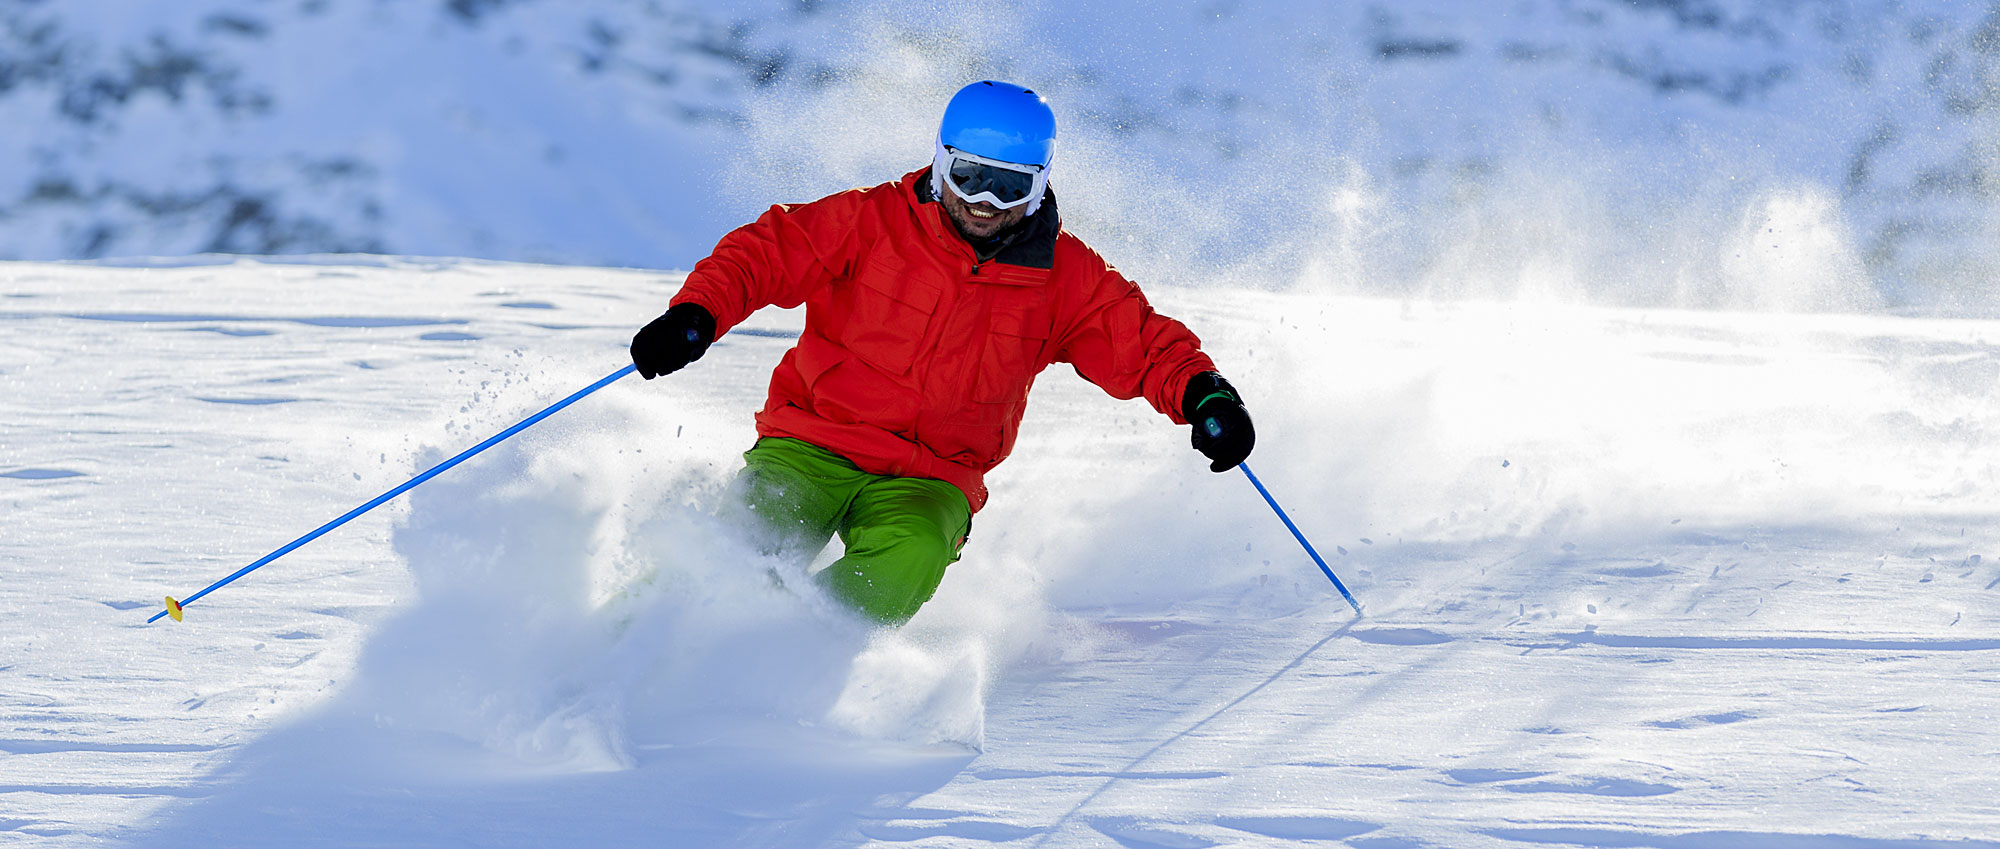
(900, 533)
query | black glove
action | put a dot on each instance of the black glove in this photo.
(1222, 429)
(670, 342)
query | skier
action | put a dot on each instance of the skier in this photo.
(931, 304)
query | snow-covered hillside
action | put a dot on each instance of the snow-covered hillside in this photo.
(1634, 361)
(1632, 150)
(1635, 578)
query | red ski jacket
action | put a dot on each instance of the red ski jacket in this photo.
(917, 356)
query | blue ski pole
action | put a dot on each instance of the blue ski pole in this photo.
(1302, 538)
(174, 607)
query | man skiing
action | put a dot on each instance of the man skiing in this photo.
(931, 304)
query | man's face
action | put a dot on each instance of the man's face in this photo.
(980, 221)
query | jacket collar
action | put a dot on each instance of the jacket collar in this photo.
(1031, 245)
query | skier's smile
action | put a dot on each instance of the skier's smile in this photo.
(980, 221)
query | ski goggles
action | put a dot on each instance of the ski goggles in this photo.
(977, 179)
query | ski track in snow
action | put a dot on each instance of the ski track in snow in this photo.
(1633, 579)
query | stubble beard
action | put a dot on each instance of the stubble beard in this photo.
(976, 229)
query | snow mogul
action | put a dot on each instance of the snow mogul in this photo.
(931, 304)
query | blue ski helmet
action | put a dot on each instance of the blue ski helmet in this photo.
(1000, 123)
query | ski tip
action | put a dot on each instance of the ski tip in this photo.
(173, 608)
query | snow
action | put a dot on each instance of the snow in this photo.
(1633, 578)
(1634, 364)
(1457, 135)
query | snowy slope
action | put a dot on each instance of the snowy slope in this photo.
(1634, 578)
(1637, 149)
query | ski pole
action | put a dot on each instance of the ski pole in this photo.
(1302, 538)
(174, 607)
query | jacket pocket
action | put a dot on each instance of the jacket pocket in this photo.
(1016, 337)
(886, 319)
